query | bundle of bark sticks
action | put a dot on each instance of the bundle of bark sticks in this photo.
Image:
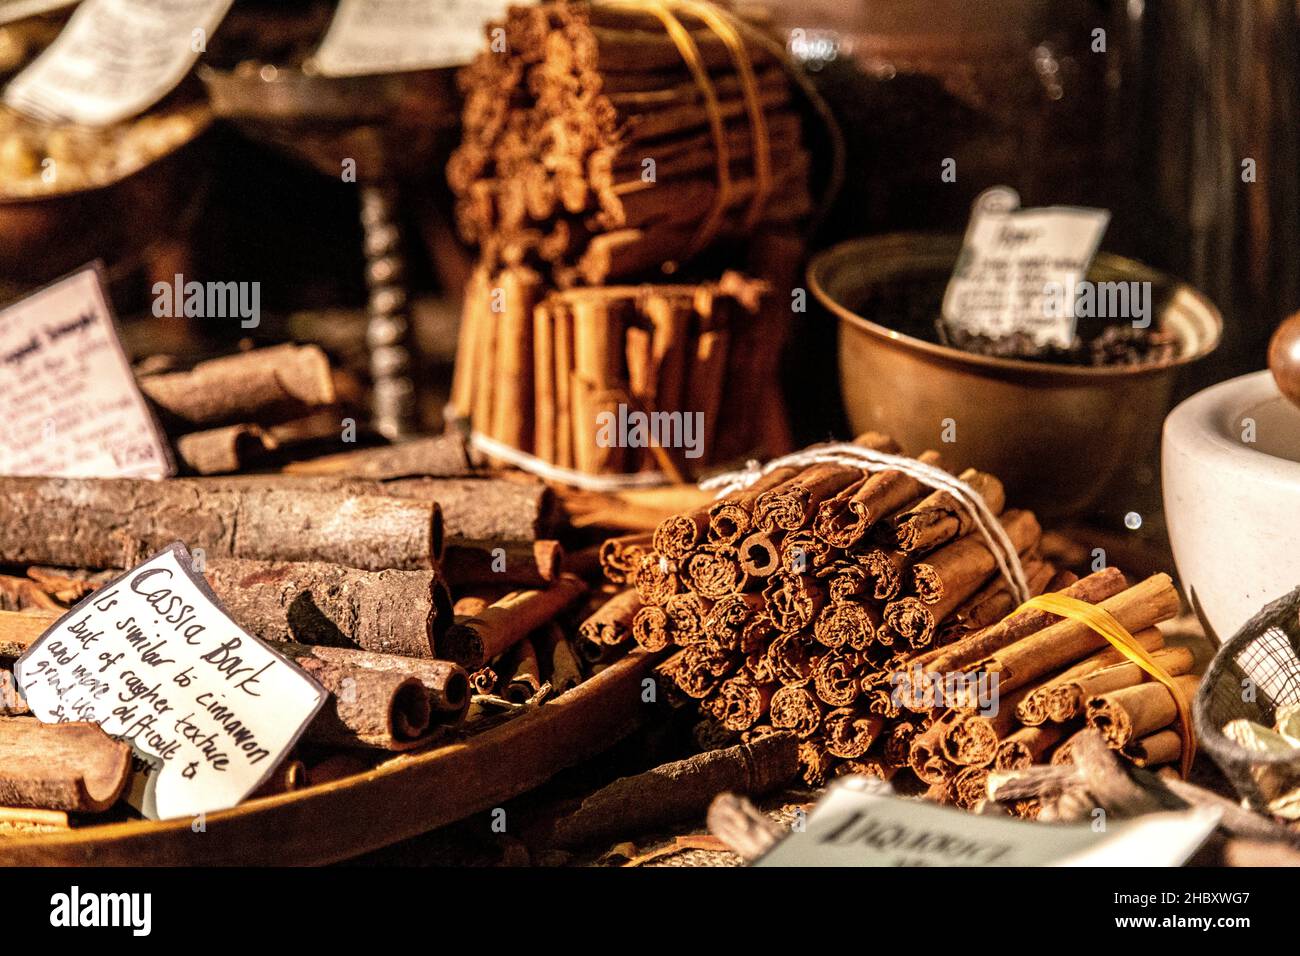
(593, 150)
(677, 372)
(863, 612)
(437, 603)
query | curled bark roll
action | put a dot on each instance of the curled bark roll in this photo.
(1162, 747)
(910, 619)
(952, 574)
(525, 563)
(701, 669)
(679, 535)
(731, 623)
(650, 628)
(1093, 589)
(760, 554)
(843, 520)
(655, 578)
(925, 753)
(790, 659)
(715, 572)
(835, 678)
(794, 600)
(686, 614)
(445, 683)
(898, 742)
(795, 709)
(816, 762)
(1038, 707)
(992, 603)
(730, 519)
(939, 518)
(968, 787)
(116, 523)
(1141, 606)
(803, 552)
(249, 386)
(741, 703)
(441, 456)
(884, 573)
(790, 505)
(619, 557)
(1125, 715)
(559, 660)
(969, 741)
(73, 766)
(522, 672)
(1025, 747)
(847, 625)
(845, 581)
(1067, 699)
(611, 625)
(876, 767)
(219, 451)
(472, 642)
(849, 732)
(394, 612)
(478, 512)
(386, 711)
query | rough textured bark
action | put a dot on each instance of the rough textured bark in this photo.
(394, 612)
(73, 766)
(440, 456)
(116, 523)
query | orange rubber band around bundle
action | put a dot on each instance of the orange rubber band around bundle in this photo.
(1104, 623)
(726, 31)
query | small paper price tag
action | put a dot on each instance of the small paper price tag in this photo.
(209, 710)
(115, 59)
(72, 406)
(391, 36)
(1018, 268)
(860, 822)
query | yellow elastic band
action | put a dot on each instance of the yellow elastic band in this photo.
(1104, 623)
(724, 27)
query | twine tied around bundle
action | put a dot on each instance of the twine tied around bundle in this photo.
(857, 456)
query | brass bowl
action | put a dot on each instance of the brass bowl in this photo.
(1057, 435)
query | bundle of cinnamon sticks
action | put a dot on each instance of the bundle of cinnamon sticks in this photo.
(597, 146)
(616, 379)
(864, 612)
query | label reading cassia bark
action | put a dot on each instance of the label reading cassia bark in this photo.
(72, 408)
(1018, 268)
(209, 710)
(115, 59)
(391, 36)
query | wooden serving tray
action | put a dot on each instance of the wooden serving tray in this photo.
(409, 795)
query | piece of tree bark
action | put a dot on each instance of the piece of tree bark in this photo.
(311, 602)
(116, 523)
(249, 386)
(528, 563)
(440, 456)
(742, 826)
(72, 766)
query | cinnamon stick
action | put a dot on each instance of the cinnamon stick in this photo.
(1125, 715)
(71, 766)
(471, 642)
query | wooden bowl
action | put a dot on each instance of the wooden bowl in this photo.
(1057, 435)
(402, 798)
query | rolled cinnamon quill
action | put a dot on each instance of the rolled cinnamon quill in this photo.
(835, 678)
(474, 641)
(1153, 750)
(715, 571)
(939, 517)
(611, 624)
(843, 520)
(847, 624)
(1067, 698)
(368, 708)
(73, 766)
(1036, 707)
(1130, 713)
(849, 732)
(619, 557)
(795, 709)
(731, 517)
(790, 505)
(741, 703)
(1027, 746)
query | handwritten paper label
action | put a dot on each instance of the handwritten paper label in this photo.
(154, 660)
(1014, 264)
(860, 822)
(390, 36)
(115, 59)
(71, 405)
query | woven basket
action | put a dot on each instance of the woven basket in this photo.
(1264, 657)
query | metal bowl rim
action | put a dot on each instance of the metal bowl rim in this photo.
(984, 363)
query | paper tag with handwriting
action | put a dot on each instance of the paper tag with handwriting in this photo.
(860, 822)
(72, 408)
(154, 660)
(115, 59)
(1018, 266)
(391, 36)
